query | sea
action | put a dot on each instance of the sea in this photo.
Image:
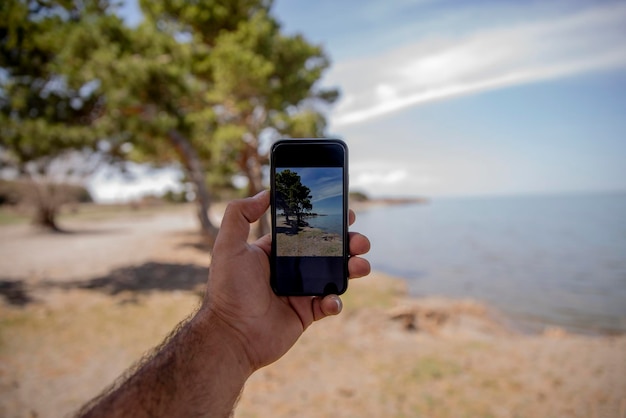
(327, 223)
(542, 260)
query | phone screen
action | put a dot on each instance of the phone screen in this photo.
(309, 217)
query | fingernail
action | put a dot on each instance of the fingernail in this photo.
(339, 304)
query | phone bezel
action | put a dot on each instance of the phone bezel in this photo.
(306, 152)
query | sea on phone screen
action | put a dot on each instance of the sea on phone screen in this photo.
(309, 207)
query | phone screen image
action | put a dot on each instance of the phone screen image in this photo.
(309, 218)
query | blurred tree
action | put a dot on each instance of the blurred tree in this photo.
(150, 94)
(358, 196)
(208, 83)
(155, 81)
(265, 88)
(45, 120)
(257, 84)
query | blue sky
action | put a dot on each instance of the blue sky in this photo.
(448, 98)
(474, 98)
(326, 185)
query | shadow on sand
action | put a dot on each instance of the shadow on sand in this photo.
(291, 228)
(80, 230)
(14, 292)
(287, 230)
(145, 278)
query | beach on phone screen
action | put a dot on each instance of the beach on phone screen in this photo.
(309, 207)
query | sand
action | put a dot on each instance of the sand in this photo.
(78, 309)
(308, 242)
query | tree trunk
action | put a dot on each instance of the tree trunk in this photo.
(191, 162)
(46, 207)
(46, 218)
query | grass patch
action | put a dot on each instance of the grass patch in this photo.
(89, 212)
(431, 368)
(95, 212)
(11, 321)
(374, 291)
(10, 216)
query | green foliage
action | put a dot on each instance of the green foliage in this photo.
(175, 197)
(48, 115)
(292, 197)
(205, 19)
(266, 80)
(203, 83)
(218, 72)
(42, 112)
(141, 74)
(358, 196)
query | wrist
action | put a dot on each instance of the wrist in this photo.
(199, 371)
(223, 341)
(210, 370)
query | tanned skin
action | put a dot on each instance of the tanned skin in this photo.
(240, 327)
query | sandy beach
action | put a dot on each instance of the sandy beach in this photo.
(77, 309)
(307, 242)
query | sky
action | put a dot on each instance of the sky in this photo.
(326, 185)
(449, 98)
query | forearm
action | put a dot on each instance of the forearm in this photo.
(199, 372)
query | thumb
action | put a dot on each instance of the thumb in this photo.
(240, 214)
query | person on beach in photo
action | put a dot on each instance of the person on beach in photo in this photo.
(240, 327)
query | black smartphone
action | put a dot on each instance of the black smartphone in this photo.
(309, 210)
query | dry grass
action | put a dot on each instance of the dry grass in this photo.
(64, 349)
(72, 343)
(363, 364)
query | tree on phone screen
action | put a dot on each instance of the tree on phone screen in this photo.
(292, 197)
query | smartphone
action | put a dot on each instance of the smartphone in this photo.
(309, 211)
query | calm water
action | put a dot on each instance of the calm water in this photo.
(542, 259)
(328, 223)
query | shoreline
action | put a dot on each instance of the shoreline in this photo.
(507, 322)
(507, 253)
(372, 203)
(519, 323)
(516, 323)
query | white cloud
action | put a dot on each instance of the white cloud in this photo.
(368, 174)
(379, 178)
(447, 66)
(110, 186)
(384, 178)
(327, 190)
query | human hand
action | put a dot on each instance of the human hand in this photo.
(262, 325)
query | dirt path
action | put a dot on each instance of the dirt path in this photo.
(93, 248)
